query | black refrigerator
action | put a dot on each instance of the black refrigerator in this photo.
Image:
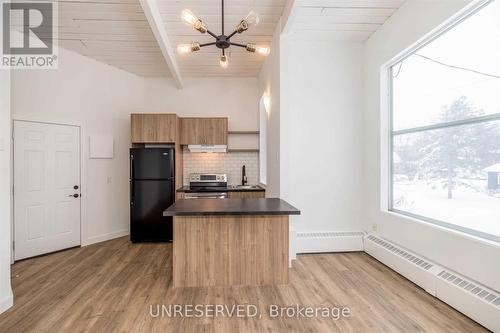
(152, 190)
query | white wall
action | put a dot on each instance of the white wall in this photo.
(472, 257)
(5, 191)
(100, 98)
(235, 98)
(269, 83)
(321, 133)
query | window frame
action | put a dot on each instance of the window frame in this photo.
(468, 12)
(263, 122)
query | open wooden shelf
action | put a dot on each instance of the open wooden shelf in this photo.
(243, 150)
(243, 132)
(236, 150)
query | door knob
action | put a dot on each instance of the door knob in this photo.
(75, 187)
(74, 195)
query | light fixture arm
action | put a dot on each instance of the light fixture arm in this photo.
(207, 44)
(238, 44)
(211, 34)
(232, 34)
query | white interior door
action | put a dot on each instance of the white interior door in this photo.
(46, 185)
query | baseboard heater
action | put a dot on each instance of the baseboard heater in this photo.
(472, 299)
(329, 241)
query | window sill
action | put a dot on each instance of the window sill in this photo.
(435, 225)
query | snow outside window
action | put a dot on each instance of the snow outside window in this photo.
(445, 125)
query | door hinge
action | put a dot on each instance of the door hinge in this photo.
(12, 190)
(13, 245)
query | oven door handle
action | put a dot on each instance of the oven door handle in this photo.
(206, 195)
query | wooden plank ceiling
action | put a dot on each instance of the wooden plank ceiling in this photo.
(115, 32)
(353, 20)
(206, 61)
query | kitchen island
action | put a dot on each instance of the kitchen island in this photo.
(225, 242)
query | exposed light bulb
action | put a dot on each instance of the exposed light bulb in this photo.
(189, 17)
(188, 48)
(251, 47)
(184, 48)
(252, 18)
(223, 61)
(264, 50)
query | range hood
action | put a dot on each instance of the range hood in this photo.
(207, 148)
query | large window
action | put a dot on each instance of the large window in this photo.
(445, 128)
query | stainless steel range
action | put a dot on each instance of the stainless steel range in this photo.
(205, 185)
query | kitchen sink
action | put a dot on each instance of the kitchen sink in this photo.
(247, 187)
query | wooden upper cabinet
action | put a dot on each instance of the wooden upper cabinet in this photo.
(154, 128)
(204, 131)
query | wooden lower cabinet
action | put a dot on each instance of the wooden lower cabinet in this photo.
(246, 195)
(230, 250)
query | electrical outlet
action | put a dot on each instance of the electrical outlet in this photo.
(109, 180)
(375, 227)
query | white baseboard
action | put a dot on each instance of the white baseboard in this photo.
(6, 303)
(329, 241)
(105, 237)
(412, 266)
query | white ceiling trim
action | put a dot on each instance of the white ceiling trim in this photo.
(289, 15)
(157, 25)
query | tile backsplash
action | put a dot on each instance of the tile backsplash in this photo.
(229, 163)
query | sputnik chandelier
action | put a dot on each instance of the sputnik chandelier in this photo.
(222, 41)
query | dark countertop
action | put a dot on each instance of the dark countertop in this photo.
(230, 188)
(200, 207)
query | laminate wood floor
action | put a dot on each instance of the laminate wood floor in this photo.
(109, 287)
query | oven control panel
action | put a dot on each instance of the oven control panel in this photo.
(208, 177)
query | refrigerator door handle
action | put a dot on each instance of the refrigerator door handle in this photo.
(172, 163)
(131, 167)
(132, 192)
(132, 183)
